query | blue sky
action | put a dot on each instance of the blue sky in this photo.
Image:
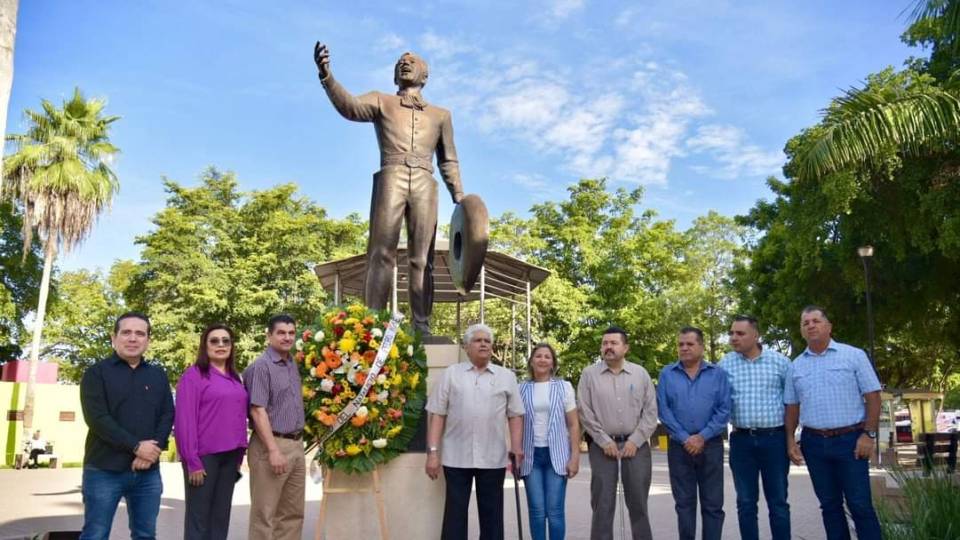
(692, 99)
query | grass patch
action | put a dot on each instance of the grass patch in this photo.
(930, 508)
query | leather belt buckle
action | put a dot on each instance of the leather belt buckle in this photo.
(413, 162)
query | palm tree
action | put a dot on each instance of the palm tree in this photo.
(60, 177)
(915, 120)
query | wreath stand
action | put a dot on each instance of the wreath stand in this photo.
(375, 489)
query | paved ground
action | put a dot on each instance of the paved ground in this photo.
(42, 500)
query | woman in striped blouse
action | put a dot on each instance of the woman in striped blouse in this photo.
(551, 443)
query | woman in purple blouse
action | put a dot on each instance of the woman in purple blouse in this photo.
(211, 431)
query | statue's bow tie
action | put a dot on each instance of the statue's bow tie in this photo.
(413, 101)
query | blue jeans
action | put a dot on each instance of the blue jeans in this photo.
(690, 475)
(761, 455)
(837, 476)
(546, 492)
(102, 491)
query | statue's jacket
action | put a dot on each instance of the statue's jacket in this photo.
(409, 130)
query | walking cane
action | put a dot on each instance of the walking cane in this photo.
(621, 496)
(516, 492)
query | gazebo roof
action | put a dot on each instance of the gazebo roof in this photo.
(506, 276)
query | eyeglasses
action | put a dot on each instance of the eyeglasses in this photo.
(219, 341)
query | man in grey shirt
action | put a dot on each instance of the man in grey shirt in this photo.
(470, 408)
(275, 455)
(618, 409)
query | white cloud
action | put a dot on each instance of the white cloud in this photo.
(735, 156)
(562, 9)
(629, 120)
(625, 17)
(391, 42)
(442, 48)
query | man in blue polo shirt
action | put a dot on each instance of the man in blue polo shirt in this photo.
(757, 445)
(128, 408)
(833, 392)
(693, 399)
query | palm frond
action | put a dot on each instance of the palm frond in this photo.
(866, 125)
(947, 12)
(60, 173)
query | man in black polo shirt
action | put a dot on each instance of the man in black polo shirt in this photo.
(128, 408)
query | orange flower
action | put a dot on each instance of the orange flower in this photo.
(361, 377)
(331, 358)
(368, 320)
(369, 357)
(358, 328)
(358, 421)
(328, 420)
(321, 369)
(298, 357)
(372, 397)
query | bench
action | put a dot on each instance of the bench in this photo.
(936, 448)
(52, 460)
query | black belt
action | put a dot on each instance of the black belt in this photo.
(620, 438)
(757, 430)
(295, 436)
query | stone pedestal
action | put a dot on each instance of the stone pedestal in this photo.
(414, 503)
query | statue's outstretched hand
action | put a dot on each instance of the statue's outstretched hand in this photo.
(321, 55)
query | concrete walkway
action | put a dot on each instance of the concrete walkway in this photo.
(33, 501)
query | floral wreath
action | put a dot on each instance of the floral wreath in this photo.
(334, 356)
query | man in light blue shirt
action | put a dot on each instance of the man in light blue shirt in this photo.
(833, 392)
(693, 399)
(757, 445)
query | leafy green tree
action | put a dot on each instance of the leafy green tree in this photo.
(81, 320)
(611, 264)
(59, 176)
(218, 254)
(708, 298)
(19, 282)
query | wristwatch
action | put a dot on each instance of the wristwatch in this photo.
(871, 434)
(433, 449)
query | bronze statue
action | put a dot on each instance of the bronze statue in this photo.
(409, 132)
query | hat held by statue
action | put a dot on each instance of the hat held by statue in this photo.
(469, 232)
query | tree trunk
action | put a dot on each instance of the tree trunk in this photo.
(50, 252)
(8, 35)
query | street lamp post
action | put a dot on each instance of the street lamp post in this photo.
(866, 253)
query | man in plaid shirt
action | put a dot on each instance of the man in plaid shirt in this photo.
(757, 445)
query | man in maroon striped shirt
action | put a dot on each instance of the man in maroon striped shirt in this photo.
(275, 456)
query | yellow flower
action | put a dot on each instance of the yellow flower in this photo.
(374, 344)
(350, 322)
(394, 352)
(396, 379)
(414, 380)
(353, 450)
(307, 392)
(356, 310)
(308, 360)
(347, 344)
(394, 431)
